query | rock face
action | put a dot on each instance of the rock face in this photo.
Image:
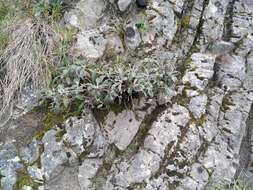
(122, 128)
(9, 163)
(194, 138)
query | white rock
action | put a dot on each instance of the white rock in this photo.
(124, 4)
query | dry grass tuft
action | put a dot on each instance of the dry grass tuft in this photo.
(23, 61)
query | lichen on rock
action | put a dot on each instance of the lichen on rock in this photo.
(192, 135)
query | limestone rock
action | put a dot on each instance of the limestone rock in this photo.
(198, 105)
(86, 14)
(124, 4)
(87, 171)
(79, 133)
(9, 164)
(194, 137)
(122, 127)
(90, 44)
(132, 37)
(53, 158)
(30, 153)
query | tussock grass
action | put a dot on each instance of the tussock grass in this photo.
(24, 60)
(30, 42)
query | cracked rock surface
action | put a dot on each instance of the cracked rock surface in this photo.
(192, 139)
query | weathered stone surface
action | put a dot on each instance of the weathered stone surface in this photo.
(114, 45)
(67, 179)
(9, 164)
(90, 44)
(87, 171)
(30, 153)
(132, 37)
(166, 130)
(192, 138)
(214, 16)
(221, 47)
(197, 106)
(35, 173)
(27, 188)
(53, 158)
(122, 127)
(163, 21)
(200, 71)
(86, 14)
(124, 4)
(79, 133)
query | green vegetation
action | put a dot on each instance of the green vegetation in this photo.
(6, 12)
(38, 50)
(64, 38)
(3, 40)
(23, 179)
(141, 26)
(59, 135)
(236, 185)
(31, 42)
(54, 118)
(52, 9)
(101, 85)
(4, 9)
(226, 103)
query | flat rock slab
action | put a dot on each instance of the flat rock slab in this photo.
(121, 128)
(22, 130)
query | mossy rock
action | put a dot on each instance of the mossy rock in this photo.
(23, 179)
(226, 103)
(54, 118)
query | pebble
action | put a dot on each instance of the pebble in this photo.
(141, 3)
(129, 32)
(132, 37)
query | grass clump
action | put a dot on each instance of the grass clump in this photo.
(4, 9)
(3, 40)
(8, 14)
(24, 59)
(52, 9)
(31, 45)
(28, 47)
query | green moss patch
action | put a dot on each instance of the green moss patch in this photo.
(23, 179)
(54, 118)
(226, 103)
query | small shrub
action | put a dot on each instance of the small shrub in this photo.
(24, 60)
(99, 85)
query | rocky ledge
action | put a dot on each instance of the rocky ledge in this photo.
(196, 137)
